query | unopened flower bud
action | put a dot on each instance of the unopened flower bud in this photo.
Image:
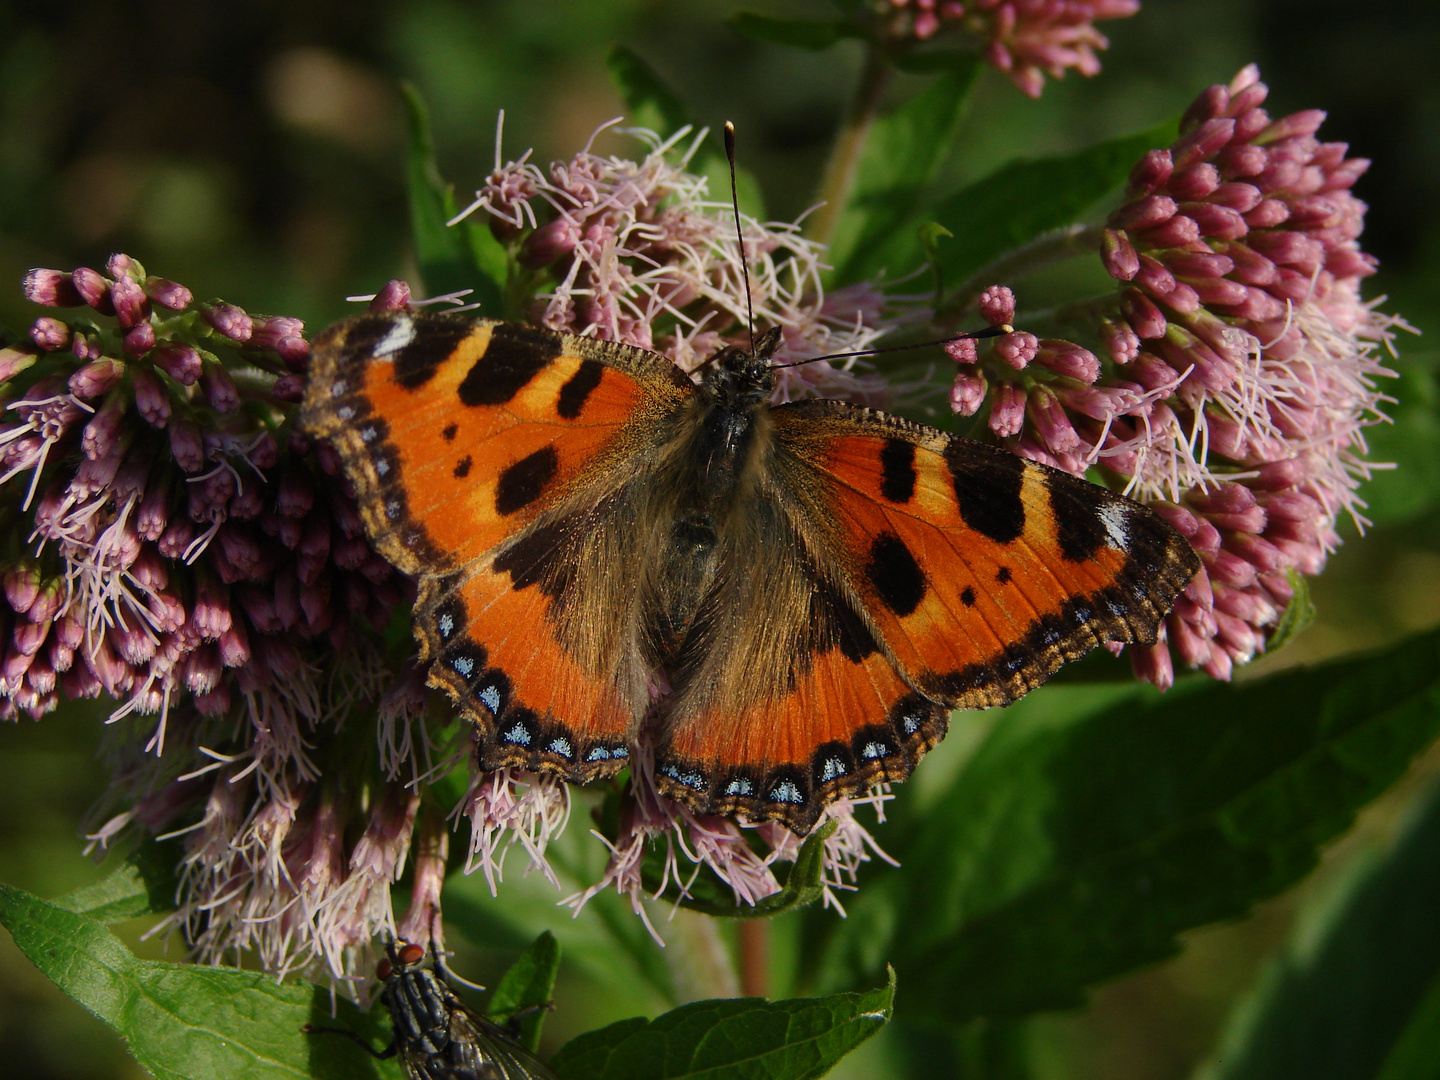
(179, 360)
(393, 296)
(94, 289)
(229, 320)
(168, 294)
(51, 288)
(50, 334)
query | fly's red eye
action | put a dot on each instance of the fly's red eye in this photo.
(411, 954)
(382, 970)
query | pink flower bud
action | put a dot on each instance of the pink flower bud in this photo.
(96, 378)
(1250, 123)
(168, 294)
(152, 400)
(264, 453)
(50, 334)
(1007, 410)
(295, 351)
(228, 320)
(1153, 170)
(962, 350)
(269, 330)
(551, 242)
(102, 432)
(51, 288)
(1153, 276)
(393, 296)
(1144, 213)
(1142, 314)
(1179, 231)
(1196, 182)
(967, 392)
(1202, 143)
(1242, 161)
(997, 305)
(1211, 103)
(1118, 254)
(1017, 348)
(186, 447)
(234, 645)
(1121, 342)
(179, 360)
(94, 289)
(1051, 423)
(1216, 221)
(1068, 359)
(131, 304)
(220, 390)
(139, 340)
(22, 586)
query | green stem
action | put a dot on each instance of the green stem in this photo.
(1015, 264)
(839, 176)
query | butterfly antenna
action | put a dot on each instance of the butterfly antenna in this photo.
(988, 332)
(739, 236)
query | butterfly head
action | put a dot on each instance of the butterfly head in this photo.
(738, 376)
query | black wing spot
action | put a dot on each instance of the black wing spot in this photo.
(524, 481)
(449, 431)
(578, 388)
(434, 341)
(1003, 575)
(1077, 516)
(515, 355)
(987, 488)
(896, 576)
(897, 470)
(462, 467)
(967, 596)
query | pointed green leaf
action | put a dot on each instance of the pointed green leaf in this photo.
(120, 895)
(1094, 824)
(1355, 994)
(734, 1039)
(1298, 614)
(1019, 201)
(186, 1022)
(799, 33)
(877, 230)
(527, 988)
(451, 257)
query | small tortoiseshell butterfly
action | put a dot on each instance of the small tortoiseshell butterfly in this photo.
(438, 1036)
(791, 598)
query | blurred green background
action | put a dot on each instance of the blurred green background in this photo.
(254, 151)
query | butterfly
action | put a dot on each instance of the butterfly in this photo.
(787, 601)
(438, 1036)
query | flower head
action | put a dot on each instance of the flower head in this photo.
(1240, 365)
(1026, 39)
(636, 252)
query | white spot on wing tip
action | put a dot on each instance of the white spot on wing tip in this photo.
(1116, 519)
(400, 334)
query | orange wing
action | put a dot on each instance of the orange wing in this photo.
(479, 452)
(952, 575)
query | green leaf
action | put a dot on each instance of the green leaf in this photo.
(1298, 614)
(652, 104)
(1355, 994)
(649, 102)
(800, 33)
(737, 1039)
(1024, 199)
(1094, 824)
(451, 257)
(878, 229)
(120, 895)
(183, 1021)
(527, 988)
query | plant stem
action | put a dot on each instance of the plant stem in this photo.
(839, 176)
(754, 941)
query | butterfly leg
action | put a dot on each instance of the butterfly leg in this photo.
(388, 1052)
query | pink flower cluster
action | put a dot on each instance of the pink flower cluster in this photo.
(635, 252)
(1026, 39)
(1241, 365)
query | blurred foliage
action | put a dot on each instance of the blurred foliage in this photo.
(257, 150)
